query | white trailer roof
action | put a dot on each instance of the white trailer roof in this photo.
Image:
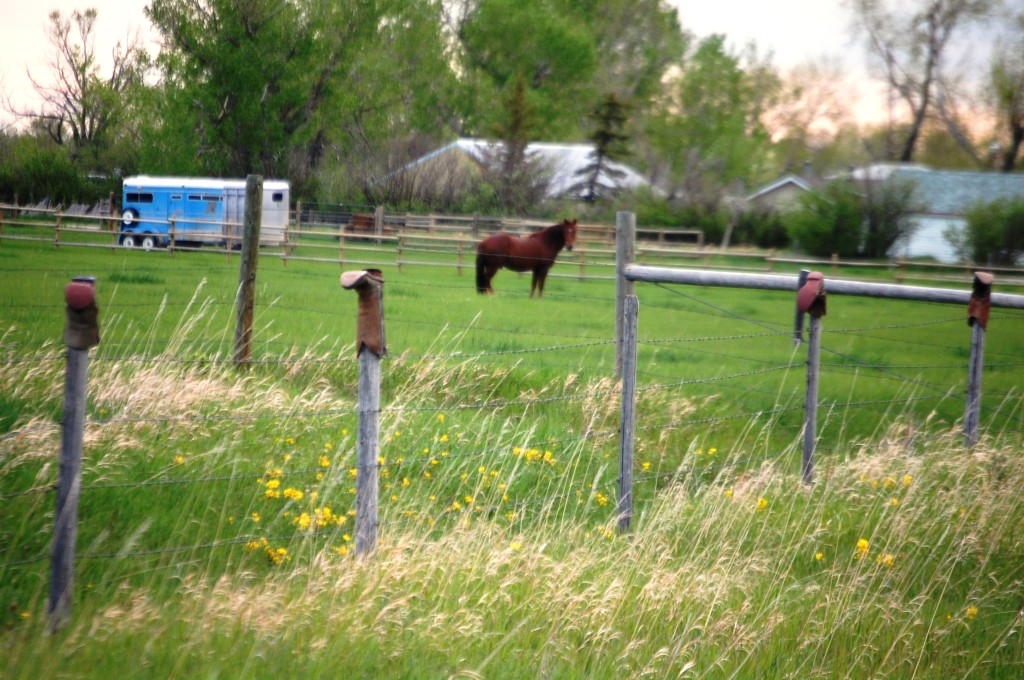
(197, 182)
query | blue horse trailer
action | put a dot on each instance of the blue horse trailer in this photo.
(200, 210)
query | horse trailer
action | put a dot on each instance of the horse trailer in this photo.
(198, 210)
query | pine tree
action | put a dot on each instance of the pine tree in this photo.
(599, 178)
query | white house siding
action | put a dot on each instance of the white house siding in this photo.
(928, 239)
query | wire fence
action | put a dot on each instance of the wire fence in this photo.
(467, 433)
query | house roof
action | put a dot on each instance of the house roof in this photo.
(564, 161)
(952, 192)
(794, 180)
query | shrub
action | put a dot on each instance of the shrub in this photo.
(994, 233)
(828, 220)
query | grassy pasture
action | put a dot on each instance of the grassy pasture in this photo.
(215, 518)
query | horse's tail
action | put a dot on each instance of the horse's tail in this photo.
(481, 273)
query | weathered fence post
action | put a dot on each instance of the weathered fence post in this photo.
(247, 268)
(798, 326)
(458, 266)
(625, 236)
(173, 237)
(811, 300)
(631, 312)
(370, 347)
(378, 222)
(977, 318)
(81, 331)
(56, 231)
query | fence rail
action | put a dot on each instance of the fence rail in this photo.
(403, 239)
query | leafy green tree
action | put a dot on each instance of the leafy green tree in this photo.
(502, 40)
(708, 127)
(275, 87)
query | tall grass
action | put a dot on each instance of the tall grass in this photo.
(216, 509)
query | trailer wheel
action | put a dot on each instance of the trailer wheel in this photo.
(128, 217)
(128, 240)
(148, 242)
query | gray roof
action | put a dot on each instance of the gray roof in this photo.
(562, 160)
(953, 192)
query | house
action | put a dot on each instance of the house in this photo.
(562, 161)
(943, 195)
(946, 196)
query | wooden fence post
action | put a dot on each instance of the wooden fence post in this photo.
(810, 299)
(625, 237)
(173, 237)
(977, 317)
(1, 223)
(631, 311)
(378, 222)
(370, 347)
(398, 261)
(56, 231)
(458, 266)
(247, 269)
(583, 261)
(798, 326)
(81, 332)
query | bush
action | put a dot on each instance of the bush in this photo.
(853, 220)
(761, 228)
(994, 233)
(828, 221)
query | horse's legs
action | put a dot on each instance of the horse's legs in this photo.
(539, 276)
(491, 271)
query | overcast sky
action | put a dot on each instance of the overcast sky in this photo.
(793, 31)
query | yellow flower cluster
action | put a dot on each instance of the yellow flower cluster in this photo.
(274, 555)
(533, 455)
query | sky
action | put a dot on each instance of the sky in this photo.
(793, 31)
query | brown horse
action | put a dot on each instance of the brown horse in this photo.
(535, 253)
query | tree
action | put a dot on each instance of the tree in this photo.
(909, 50)
(520, 180)
(707, 128)
(609, 140)
(887, 209)
(1006, 83)
(536, 40)
(81, 109)
(807, 113)
(272, 87)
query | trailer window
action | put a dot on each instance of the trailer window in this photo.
(138, 198)
(277, 196)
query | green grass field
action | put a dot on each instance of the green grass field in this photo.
(216, 513)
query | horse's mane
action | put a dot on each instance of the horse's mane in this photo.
(550, 231)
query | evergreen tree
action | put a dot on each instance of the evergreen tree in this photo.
(599, 178)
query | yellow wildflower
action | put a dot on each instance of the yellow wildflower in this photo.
(325, 461)
(516, 545)
(862, 548)
(971, 612)
(819, 556)
(762, 503)
(179, 459)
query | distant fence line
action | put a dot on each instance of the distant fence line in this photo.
(380, 238)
